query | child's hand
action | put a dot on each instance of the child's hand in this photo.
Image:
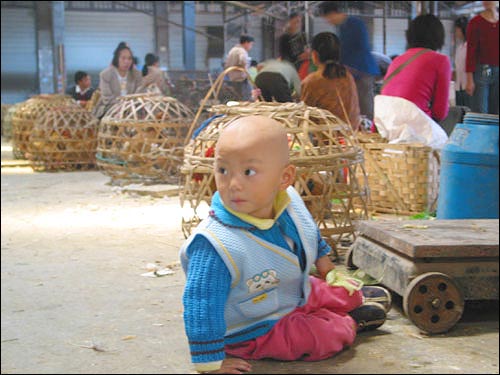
(233, 366)
(324, 265)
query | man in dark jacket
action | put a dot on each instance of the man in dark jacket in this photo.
(293, 44)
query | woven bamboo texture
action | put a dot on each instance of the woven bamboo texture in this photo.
(64, 138)
(141, 139)
(5, 108)
(25, 116)
(96, 95)
(8, 111)
(403, 178)
(217, 94)
(322, 147)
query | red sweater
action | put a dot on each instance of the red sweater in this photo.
(425, 81)
(482, 43)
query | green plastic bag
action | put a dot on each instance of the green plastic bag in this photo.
(337, 278)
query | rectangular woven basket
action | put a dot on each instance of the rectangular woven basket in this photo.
(402, 178)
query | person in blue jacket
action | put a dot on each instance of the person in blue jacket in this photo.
(356, 52)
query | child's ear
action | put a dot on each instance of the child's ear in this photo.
(287, 176)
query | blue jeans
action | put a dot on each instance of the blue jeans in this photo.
(463, 99)
(485, 98)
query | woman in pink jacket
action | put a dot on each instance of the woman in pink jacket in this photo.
(425, 81)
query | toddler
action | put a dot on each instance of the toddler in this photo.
(248, 292)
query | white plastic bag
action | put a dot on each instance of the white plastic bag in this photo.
(400, 121)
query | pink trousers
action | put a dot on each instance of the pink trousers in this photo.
(315, 331)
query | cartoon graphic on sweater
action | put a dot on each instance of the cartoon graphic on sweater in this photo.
(267, 279)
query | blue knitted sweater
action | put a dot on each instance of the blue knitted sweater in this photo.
(208, 281)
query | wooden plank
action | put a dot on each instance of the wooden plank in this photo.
(470, 238)
(16, 163)
(158, 191)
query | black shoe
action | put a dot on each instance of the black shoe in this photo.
(368, 316)
(377, 294)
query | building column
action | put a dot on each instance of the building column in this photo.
(161, 30)
(58, 46)
(50, 46)
(188, 35)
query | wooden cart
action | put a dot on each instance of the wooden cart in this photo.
(435, 265)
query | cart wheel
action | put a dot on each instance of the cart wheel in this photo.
(433, 302)
(348, 259)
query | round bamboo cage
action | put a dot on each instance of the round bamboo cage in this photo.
(5, 108)
(7, 116)
(24, 117)
(141, 139)
(64, 138)
(96, 95)
(219, 93)
(326, 153)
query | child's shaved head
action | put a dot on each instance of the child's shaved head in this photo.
(252, 165)
(262, 132)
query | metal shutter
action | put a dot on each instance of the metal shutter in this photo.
(319, 25)
(396, 35)
(91, 37)
(255, 30)
(449, 30)
(18, 51)
(176, 50)
(378, 35)
(203, 20)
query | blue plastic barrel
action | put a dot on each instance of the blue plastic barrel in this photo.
(468, 182)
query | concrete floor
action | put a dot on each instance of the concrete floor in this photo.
(73, 249)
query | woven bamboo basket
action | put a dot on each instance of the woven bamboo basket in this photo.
(25, 116)
(403, 178)
(7, 116)
(217, 94)
(64, 138)
(322, 147)
(96, 95)
(141, 139)
(5, 108)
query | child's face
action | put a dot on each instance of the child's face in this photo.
(250, 171)
(84, 82)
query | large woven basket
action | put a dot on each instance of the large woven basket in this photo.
(219, 93)
(64, 138)
(96, 95)
(5, 108)
(322, 147)
(141, 139)
(403, 178)
(24, 118)
(7, 114)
